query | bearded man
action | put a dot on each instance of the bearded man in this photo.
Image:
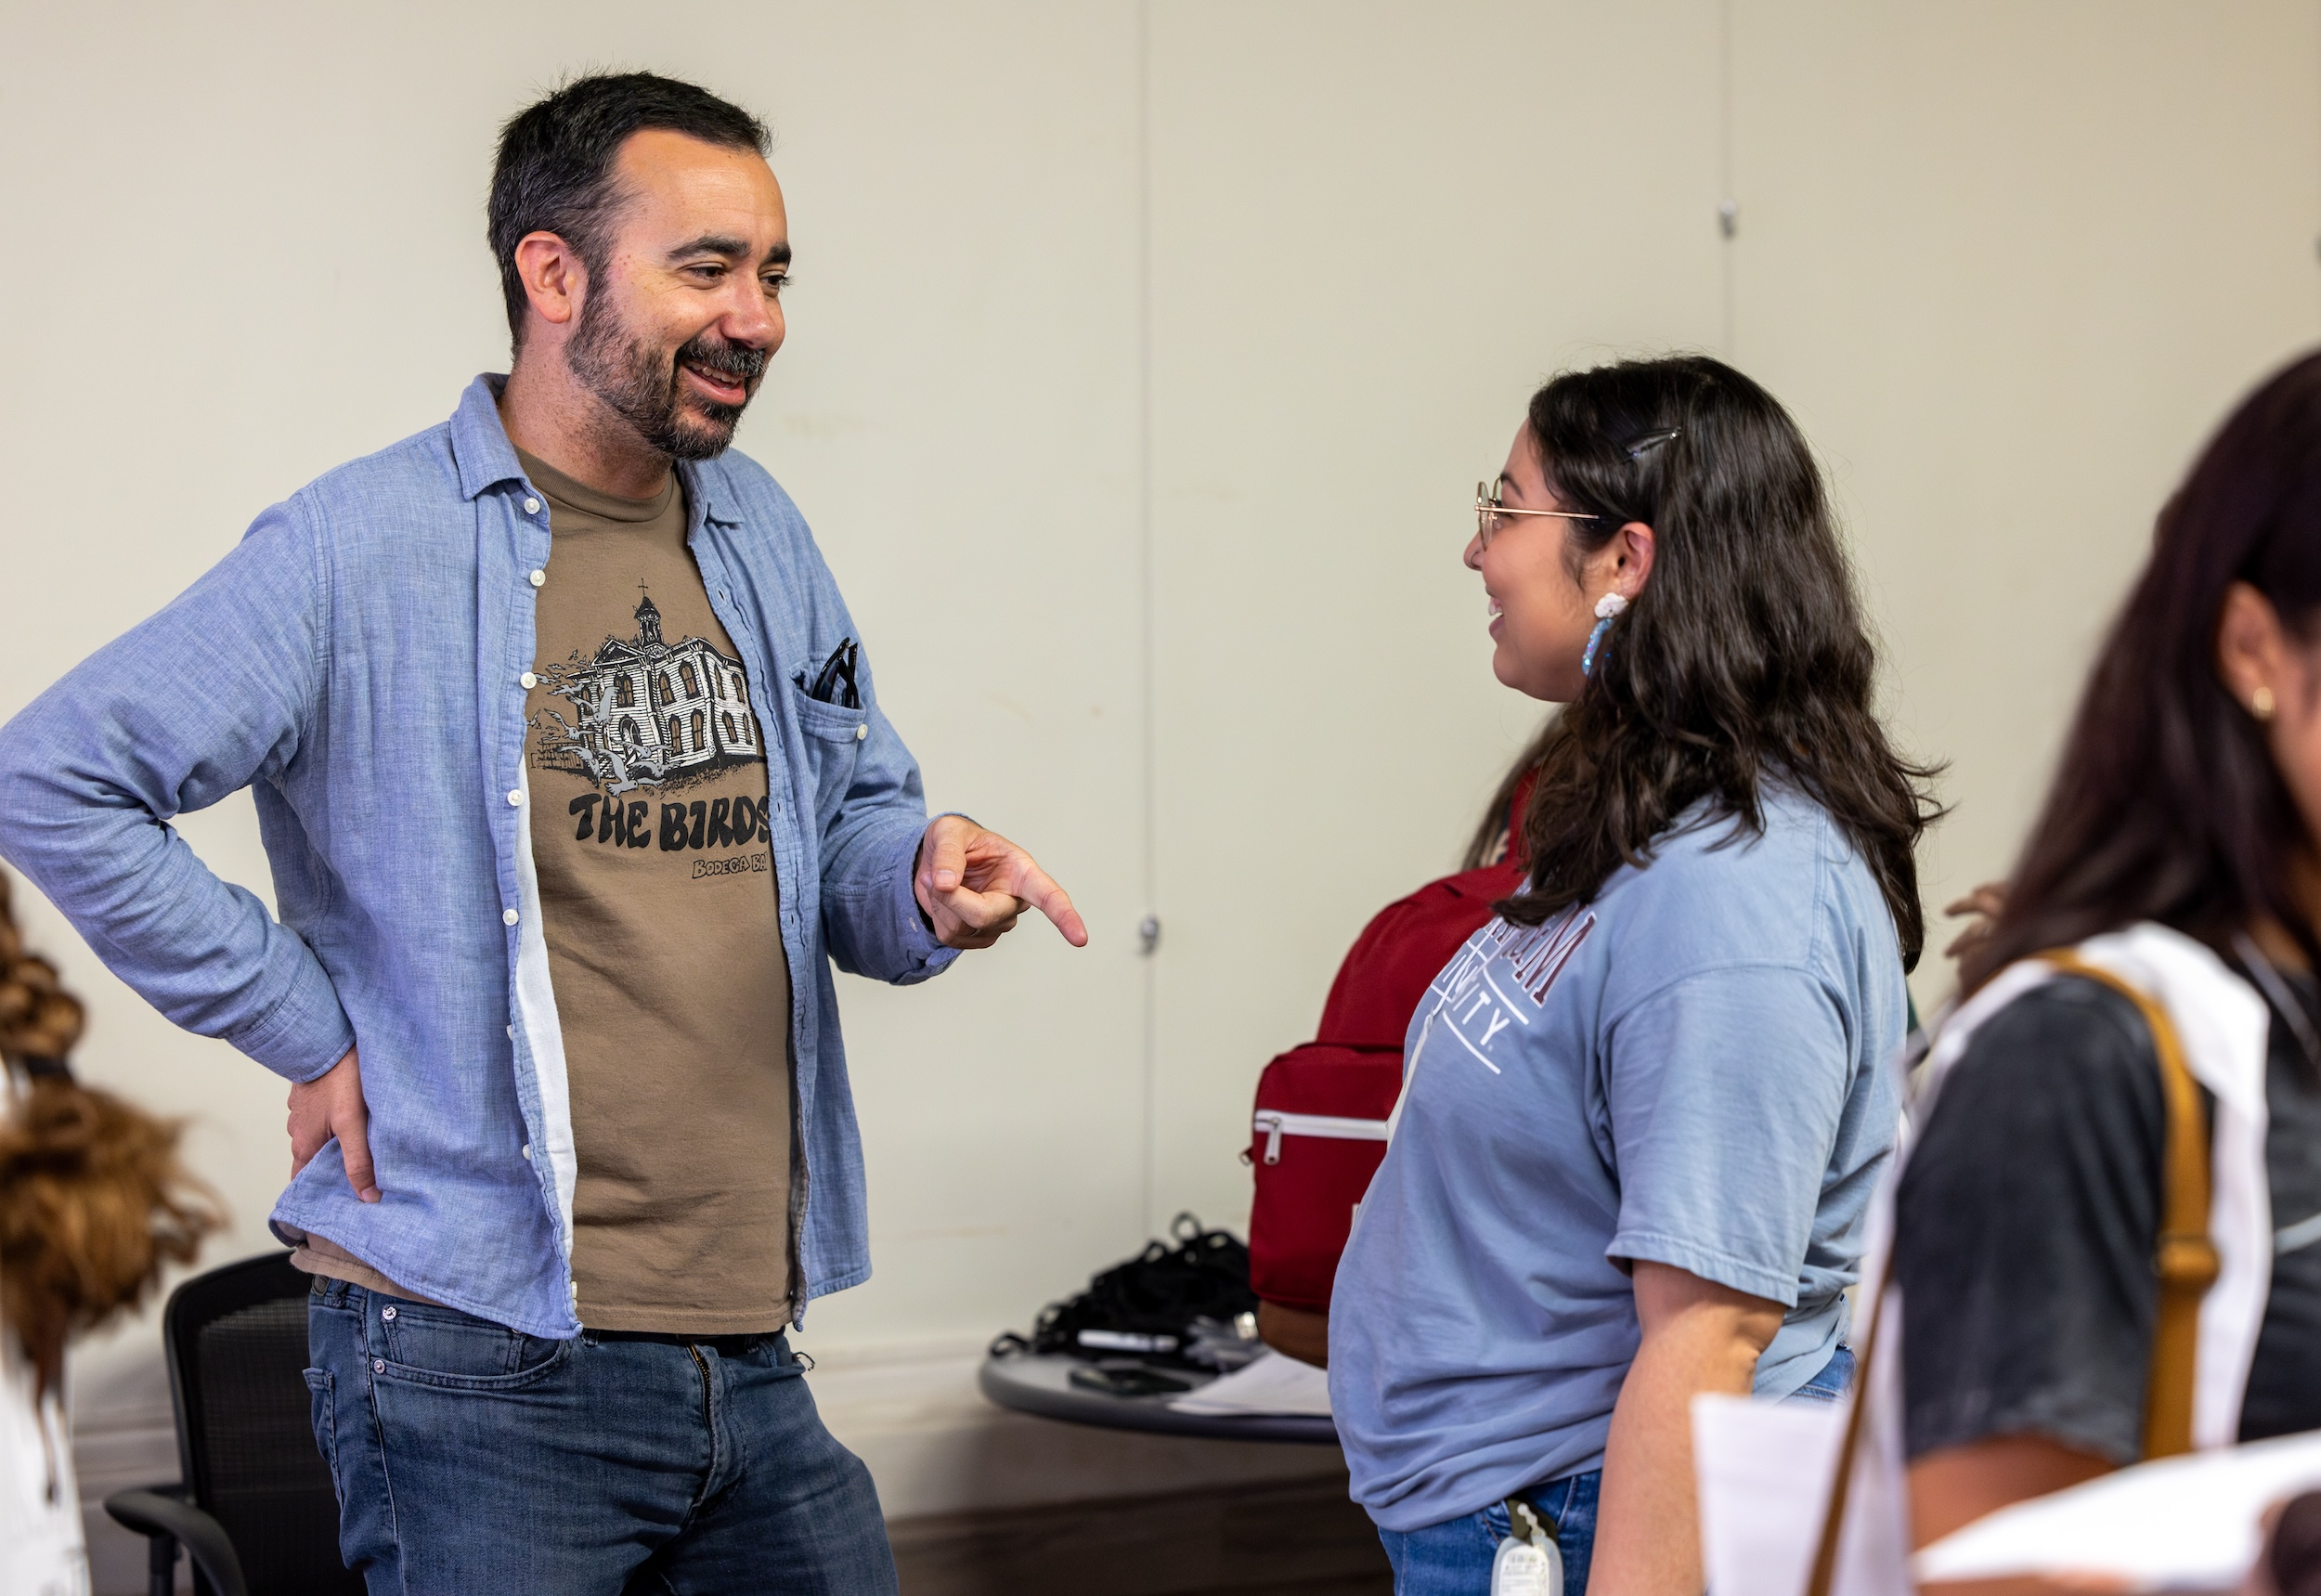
(574, 783)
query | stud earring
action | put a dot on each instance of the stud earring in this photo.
(1607, 608)
(2260, 702)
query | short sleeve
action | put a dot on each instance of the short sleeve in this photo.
(1724, 1094)
(2024, 1229)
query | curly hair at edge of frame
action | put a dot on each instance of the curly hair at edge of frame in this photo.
(93, 1200)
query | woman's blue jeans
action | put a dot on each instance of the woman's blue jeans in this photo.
(1454, 1558)
(470, 1457)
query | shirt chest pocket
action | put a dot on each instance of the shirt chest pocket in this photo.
(834, 738)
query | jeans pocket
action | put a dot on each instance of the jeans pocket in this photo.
(324, 1414)
(446, 1347)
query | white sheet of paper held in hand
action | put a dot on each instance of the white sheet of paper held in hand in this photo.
(1270, 1385)
(2193, 1523)
(1764, 1471)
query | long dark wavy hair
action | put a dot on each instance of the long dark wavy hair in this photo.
(1744, 660)
(2167, 805)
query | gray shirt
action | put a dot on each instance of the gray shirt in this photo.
(2025, 1224)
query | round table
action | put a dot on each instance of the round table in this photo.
(1041, 1383)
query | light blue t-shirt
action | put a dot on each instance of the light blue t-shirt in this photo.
(1691, 1070)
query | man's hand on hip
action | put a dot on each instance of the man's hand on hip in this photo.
(332, 1105)
(973, 884)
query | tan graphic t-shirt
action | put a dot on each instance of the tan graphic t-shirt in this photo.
(660, 907)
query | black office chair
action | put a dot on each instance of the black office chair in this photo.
(255, 1510)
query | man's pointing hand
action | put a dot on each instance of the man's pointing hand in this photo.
(973, 884)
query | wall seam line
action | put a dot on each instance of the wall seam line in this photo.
(1149, 1153)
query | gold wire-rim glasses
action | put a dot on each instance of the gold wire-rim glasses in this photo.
(1488, 510)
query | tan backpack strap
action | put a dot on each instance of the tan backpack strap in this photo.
(1825, 1573)
(2185, 1259)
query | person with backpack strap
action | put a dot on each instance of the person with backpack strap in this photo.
(2107, 1237)
(1644, 1107)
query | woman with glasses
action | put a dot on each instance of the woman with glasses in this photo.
(1644, 1107)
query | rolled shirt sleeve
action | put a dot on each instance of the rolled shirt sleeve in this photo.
(1724, 1092)
(870, 913)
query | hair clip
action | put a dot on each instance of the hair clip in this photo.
(1650, 441)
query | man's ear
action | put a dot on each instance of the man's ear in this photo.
(2252, 652)
(554, 277)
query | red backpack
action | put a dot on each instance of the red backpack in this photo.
(1320, 1126)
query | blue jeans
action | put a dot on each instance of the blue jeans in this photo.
(1454, 1558)
(470, 1457)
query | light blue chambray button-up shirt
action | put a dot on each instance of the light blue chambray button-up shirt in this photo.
(355, 661)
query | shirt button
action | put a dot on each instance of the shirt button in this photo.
(507, 916)
(527, 1153)
(388, 1311)
(511, 1034)
(531, 507)
(528, 681)
(516, 798)
(860, 733)
(539, 579)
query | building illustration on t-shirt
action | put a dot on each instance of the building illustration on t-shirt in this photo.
(645, 712)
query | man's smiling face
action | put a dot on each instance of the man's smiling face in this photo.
(680, 319)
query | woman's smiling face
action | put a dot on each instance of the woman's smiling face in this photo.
(1541, 592)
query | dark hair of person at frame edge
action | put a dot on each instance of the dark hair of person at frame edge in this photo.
(1745, 660)
(2167, 805)
(93, 1202)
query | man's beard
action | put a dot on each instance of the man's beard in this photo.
(639, 383)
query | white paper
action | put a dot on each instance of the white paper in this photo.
(2192, 1523)
(1271, 1386)
(1764, 1471)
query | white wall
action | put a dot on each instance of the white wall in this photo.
(1141, 358)
(2010, 264)
(1377, 227)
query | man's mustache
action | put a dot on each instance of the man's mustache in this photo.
(732, 359)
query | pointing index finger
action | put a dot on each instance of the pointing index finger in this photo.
(1042, 891)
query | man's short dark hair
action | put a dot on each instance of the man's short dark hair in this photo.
(554, 174)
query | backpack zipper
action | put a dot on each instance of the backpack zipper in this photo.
(1276, 1124)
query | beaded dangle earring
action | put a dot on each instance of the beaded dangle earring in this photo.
(1607, 608)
